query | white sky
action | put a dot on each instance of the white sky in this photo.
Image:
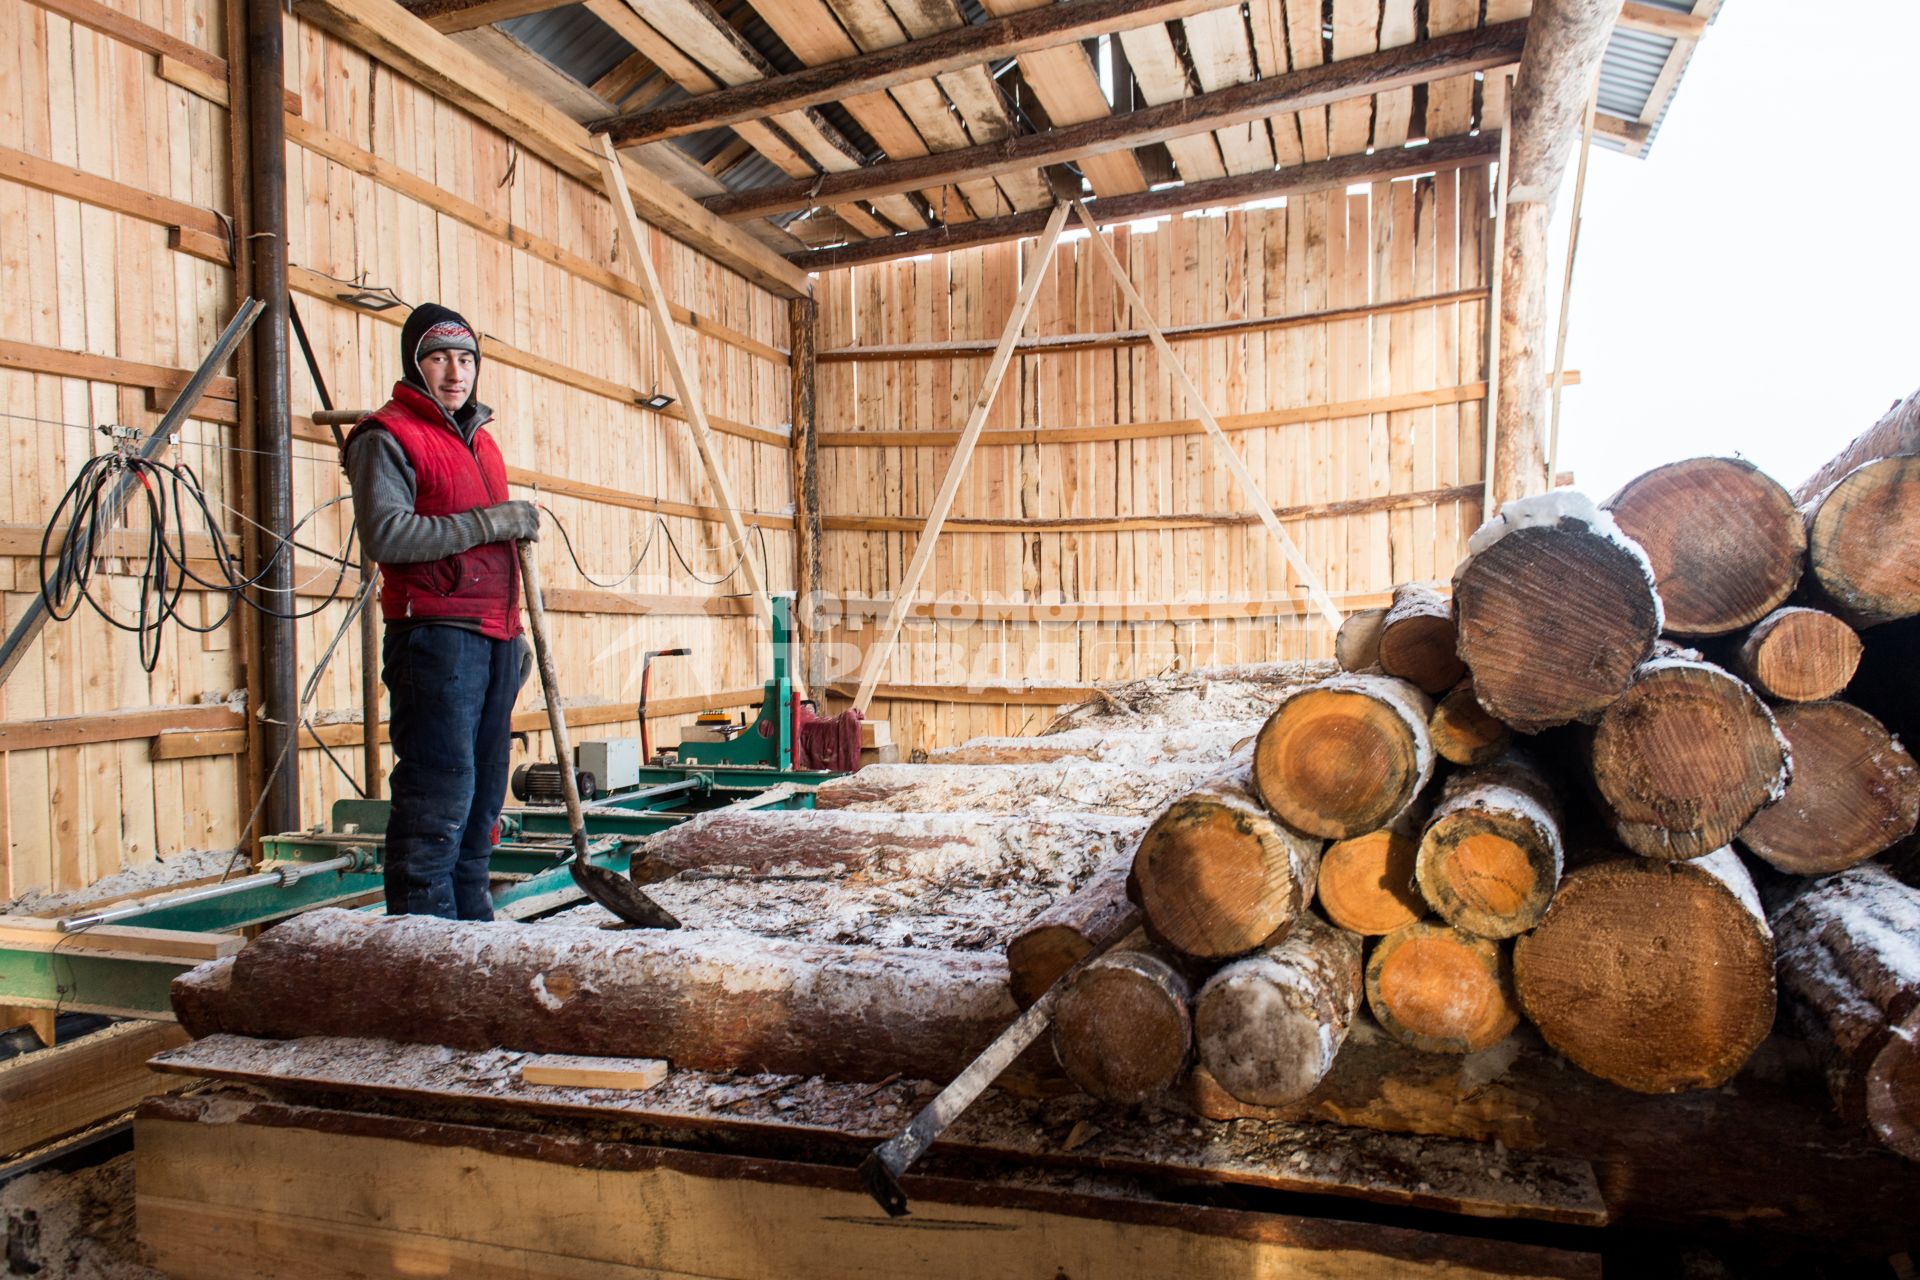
(1719, 309)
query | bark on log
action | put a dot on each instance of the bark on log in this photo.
(1091, 917)
(1346, 756)
(1439, 990)
(1726, 544)
(1123, 1030)
(1863, 541)
(708, 1000)
(1897, 432)
(1030, 789)
(1685, 758)
(1462, 731)
(1556, 607)
(1216, 875)
(1270, 1026)
(1491, 854)
(1356, 646)
(1855, 792)
(1850, 956)
(1248, 692)
(760, 842)
(1211, 741)
(1366, 882)
(1417, 639)
(1657, 976)
(1798, 654)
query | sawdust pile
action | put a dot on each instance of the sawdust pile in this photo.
(74, 1226)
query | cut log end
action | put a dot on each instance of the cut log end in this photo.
(1270, 1026)
(1122, 1030)
(1685, 757)
(1439, 990)
(1799, 655)
(1723, 537)
(1417, 640)
(1855, 792)
(1463, 732)
(1345, 758)
(1893, 1090)
(1657, 976)
(1356, 647)
(1553, 617)
(1489, 873)
(1217, 876)
(1366, 883)
(1863, 541)
(1093, 916)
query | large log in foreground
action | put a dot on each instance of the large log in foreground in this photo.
(1346, 756)
(1270, 1026)
(1556, 607)
(1850, 954)
(1217, 875)
(1723, 537)
(1685, 757)
(1491, 853)
(1855, 792)
(709, 1000)
(1657, 976)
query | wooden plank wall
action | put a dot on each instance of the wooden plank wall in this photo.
(103, 765)
(1177, 586)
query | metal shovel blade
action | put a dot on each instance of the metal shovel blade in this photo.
(620, 896)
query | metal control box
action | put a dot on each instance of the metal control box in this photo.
(614, 762)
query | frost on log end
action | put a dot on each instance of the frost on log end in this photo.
(1850, 957)
(1724, 539)
(1439, 990)
(1217, 875)
(714, 1001)
(1269, 1026)
(1123, 1030)
(1366, 882)
(1685, 757)
(1491, 853)
(1462, 731)
(1093, 916)
(1855, 792)
(1799, 654)
(1356, 646)
(1345, 757)
(1863, 541)
(1417, 640)
(1657, 976)
(1555, 607)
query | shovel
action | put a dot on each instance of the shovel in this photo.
(616, 893)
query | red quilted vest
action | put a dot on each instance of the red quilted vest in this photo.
(480, 584)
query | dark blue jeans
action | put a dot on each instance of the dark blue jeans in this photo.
(452, 692)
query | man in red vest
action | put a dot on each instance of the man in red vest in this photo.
(430, 500)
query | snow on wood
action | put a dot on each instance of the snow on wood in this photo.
(1031, 789)
(1213, 740)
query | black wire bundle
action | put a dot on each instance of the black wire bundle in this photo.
(172, 495)
(658, 526)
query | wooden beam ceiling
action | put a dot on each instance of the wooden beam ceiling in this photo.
(1450, 153)
(951, 50)
(1335, 82)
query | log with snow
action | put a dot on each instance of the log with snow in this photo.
(1208, 740)
(1031, 789)
(1247, 692)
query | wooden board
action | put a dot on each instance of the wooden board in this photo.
(49, 1094)
(571, 1071)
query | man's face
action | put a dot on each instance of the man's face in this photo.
(449, 377)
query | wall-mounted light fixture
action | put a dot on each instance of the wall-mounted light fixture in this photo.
(655, 402)
(371, 299)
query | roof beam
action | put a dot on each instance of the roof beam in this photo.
(1449, 153)
(953, 50)
(449, 16)
(1635, 16)
(1320, 86)
(385, 31)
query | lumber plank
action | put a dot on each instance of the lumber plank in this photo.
(30, 933)
(74, 1086)
(574, 1071)
(1238, 104)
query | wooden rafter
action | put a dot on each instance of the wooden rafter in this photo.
(1449, 153)
(1654, 20)
(901, 64)
(1318, 86)
(882, 647)
(449, 16)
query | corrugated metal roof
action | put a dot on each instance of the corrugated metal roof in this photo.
(1629, 72)
(572, 39)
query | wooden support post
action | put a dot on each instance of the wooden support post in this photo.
(1565, 41)
(1248, 485)
(633, 235)
(1490, 418)
(1566, 281)
(804, 318)
(877, 655)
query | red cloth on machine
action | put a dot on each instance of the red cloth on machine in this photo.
(821, 742)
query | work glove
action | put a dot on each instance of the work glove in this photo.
(526, 658)
(510, 522)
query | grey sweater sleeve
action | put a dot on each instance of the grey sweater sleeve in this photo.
(383, 494)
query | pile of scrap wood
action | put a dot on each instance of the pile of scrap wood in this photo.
(1564, 793)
